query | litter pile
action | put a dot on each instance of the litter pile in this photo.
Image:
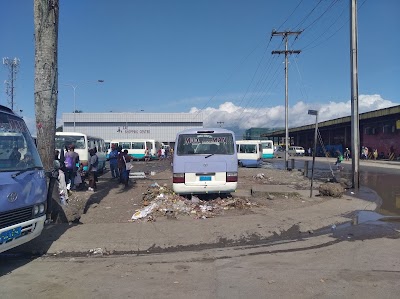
(162, 201)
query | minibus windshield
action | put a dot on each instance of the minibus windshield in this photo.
(63, 140)
(17, 148)
(204, 144)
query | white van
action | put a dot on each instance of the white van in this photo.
(296, 151)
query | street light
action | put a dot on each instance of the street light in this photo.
(314, 112)
(74, 88)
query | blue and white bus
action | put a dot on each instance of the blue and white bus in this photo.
(249, 153)
(205, 161)
(267, 149)
(136, 147)
(23, 185)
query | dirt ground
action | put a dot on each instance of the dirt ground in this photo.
(115, 203)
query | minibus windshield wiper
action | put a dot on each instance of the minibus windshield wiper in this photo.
(208, 156)
(25, 170)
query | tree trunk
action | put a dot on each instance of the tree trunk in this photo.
(46, 13)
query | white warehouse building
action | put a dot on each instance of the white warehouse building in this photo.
(159, 126)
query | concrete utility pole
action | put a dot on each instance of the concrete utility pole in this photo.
(355, 123)
(286, 34)
(12, 65)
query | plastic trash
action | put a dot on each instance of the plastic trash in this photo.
(195, 199)
(96, 251)
(205, 208)
(144, 212)
(62, 200)
(333, 227)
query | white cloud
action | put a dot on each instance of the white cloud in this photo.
(245, 118)
(234, 116)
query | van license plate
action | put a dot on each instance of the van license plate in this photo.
(205, 178)
(10, 234)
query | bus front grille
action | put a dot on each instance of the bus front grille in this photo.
(15, 216)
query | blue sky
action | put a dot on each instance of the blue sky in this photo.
(212, 56)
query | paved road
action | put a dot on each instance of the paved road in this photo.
(292, 253)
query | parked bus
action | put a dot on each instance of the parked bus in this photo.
(205, 161)
(23, 185)
(249, 153)
(136, 147)
(267, 149)
(83, 143)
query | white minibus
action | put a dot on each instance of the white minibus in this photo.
(83, 143)
(23, 184)
(249, 153)
(205, 161)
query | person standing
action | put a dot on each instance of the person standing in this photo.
(120, 163)
(146, 155)
(375, 154)
(347, 154)
(159, 153)
(363, 153)
(15, 156)
(366, 152)
(127, 167)
(114, 162)
(162, 153)
(70, 160)
(93, 164)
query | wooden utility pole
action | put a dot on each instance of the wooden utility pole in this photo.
(286, 34)
(46, 77)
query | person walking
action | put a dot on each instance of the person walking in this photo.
(93, 164)
(339, 160)
(114, 162)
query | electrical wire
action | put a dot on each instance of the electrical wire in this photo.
(289, 15)
(308, 15)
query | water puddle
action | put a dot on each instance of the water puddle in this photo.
(374, 218)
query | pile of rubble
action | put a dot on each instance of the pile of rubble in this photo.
(161, 201)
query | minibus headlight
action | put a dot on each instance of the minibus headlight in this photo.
(231, 176)
(41, 208)
(178, 178)
(35, 210)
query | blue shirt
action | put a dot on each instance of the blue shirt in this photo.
(113, 157)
